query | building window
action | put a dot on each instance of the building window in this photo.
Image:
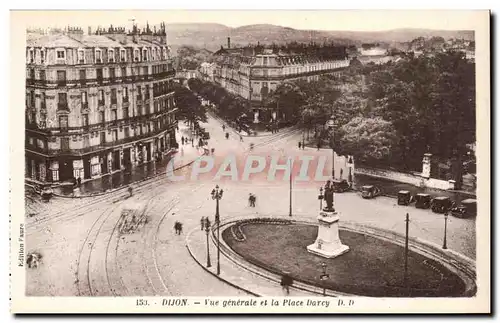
(125, 113)
(42, 56)
(103, 137)
(147, 92)
(124, 71)
(42, 75)
(126, 132)
(111, 55)
(123, 55)
(113, 96)
(136, 54)
(144, 54)
(100, 97)
(64, 143)
(84, 99)
(145, 70)
(43, 120)
(154, 53)
(81, 56)
(98, 56)
(112, 73)
(102, 118)
(85, 120)
(61, 78)
(125, 94)
(115, 135)
(265, 61)
(62, 102)
(114, 115)
(61, 54)
(63, 123)
(83, 77)
(86, 141)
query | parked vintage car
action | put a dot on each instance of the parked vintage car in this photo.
(404, 198)
(422, 201)
(467, 208)
(46, 193)
(340, 186)
(369, 191)
(441, 204)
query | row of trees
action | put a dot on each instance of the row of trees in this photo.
(189, 107)
(229, 106)
(390, 115)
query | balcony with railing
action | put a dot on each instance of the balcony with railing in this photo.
(62, 106)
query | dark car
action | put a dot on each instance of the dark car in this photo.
(422, 201)
(205, 135)
(340, 186)
(46, 193)
(369, 191)
(404, 198)
(468, 208)
(441, 204)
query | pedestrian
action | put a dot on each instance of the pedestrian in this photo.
(300, 145)
(250, 199)
(241, 138)
(286, 282)
(130, 191)
(79, 180)
(212, 151)
(254, 199)
(202, 223)
(319, 145)
(182, 140)
(227, 135)
(223, 128)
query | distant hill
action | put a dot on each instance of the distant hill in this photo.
(212, 36)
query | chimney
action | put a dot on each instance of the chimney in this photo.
(228, 42)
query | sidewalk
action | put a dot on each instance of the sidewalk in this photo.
(110, 182)
(233, 274)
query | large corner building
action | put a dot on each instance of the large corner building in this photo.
(97, 102)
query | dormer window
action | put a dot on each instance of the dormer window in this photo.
(42, 56)
(111, 55)
(144, 54)
(81, 56)
(136, 55)
(31, 57)
(60, 56)
(98, 56)
(123, 55)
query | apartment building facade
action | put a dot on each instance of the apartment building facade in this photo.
(254, 74)
(97, 103)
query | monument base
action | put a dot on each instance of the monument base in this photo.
(328, 244)
(326, 253)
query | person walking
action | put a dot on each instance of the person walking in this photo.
(250, 199)
(241, 138)
(227, 135)
(300, 145)
(202, 223)
(182, 140)
(130, 191)
(223, 127)
(319, 145)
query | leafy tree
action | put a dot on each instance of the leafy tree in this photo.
(370, 140)
(189, 106)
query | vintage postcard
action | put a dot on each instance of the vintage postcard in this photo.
(250, 162)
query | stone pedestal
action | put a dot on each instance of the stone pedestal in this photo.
(328, 244)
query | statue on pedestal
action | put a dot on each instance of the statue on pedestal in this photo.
(329, 191)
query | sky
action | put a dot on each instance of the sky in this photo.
(354, 20)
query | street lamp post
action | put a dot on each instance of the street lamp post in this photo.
(207, 231)
(320, 198)
(290, 206)
(445, 227)
(217, 195)
(324, 277)
(330, 125)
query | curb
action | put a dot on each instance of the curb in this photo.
(460, 264)
(215, 116)
(211, 273)
(121, 187)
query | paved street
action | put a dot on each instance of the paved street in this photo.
(85, 253)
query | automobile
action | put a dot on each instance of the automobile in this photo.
(369, 191)
(340, 186)
(205, 135)
(46, 193)
(404, 198)
(469, 207)
(422, 201)
(441, 204)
